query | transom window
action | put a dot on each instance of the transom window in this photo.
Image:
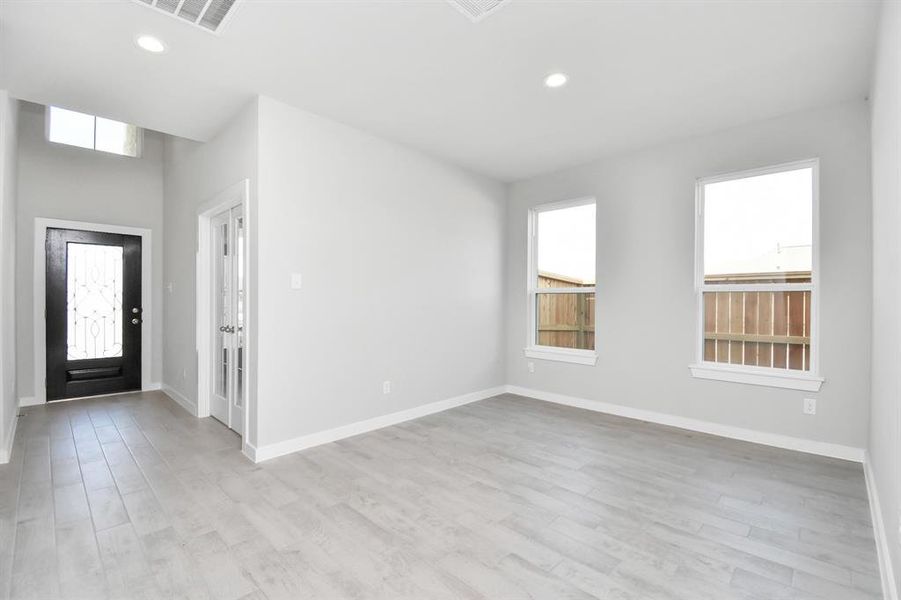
(562, 283)
(94, 133)
(756, 265)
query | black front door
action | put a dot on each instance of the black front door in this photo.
(93, 313)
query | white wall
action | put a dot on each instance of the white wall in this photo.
(885, 420)
(402, 265)
(9, 109)
(194, 173)
(64, 182)
(646, 335)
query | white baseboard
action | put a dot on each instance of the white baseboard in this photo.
(886, 570)
(259, 454)
(250, 451)
(728, 431)
(179, 399)
(6, 450)
(152, 387)
(29, 401)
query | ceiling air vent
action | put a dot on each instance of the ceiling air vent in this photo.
(206, 14)
(477, 10)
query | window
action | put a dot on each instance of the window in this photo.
(95, 133)
(756, 272)
(562, 282)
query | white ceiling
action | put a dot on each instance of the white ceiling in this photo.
(419, 72)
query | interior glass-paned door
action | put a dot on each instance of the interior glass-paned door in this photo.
(228, 279)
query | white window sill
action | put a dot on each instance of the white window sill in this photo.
(757, 376)
(579, 357)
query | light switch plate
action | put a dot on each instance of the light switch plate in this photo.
(296, 281)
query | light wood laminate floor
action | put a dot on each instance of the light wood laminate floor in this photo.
(130, 497)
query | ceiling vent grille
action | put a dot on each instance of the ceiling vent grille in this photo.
(477, 10)
(209, 15)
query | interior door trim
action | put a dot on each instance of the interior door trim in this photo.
(41, 225)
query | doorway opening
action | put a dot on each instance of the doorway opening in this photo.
(91, 369)
(222, 308)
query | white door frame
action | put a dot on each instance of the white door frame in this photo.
(41, 225)
(236, 194)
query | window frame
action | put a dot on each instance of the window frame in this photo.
(139, 134)
(532, 348)
(748, 374)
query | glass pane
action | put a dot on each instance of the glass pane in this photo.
(239, 313)
(759, 229)
(566, 252)
(565, 320)
(763, 329)
(222, 310)
(94, 292)
(117, 137)
(70, 127)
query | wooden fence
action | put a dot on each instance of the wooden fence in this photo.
(565, 320)
(767, 329)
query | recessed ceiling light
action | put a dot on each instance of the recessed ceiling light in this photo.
(555, 80)
(150, 44)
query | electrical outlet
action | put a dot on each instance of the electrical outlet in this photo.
(810, 406)
(386, 387)
(531, 367)
(296, 281)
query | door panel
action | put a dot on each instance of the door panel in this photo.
(221, 295)
(236, 405)
(93, 287)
